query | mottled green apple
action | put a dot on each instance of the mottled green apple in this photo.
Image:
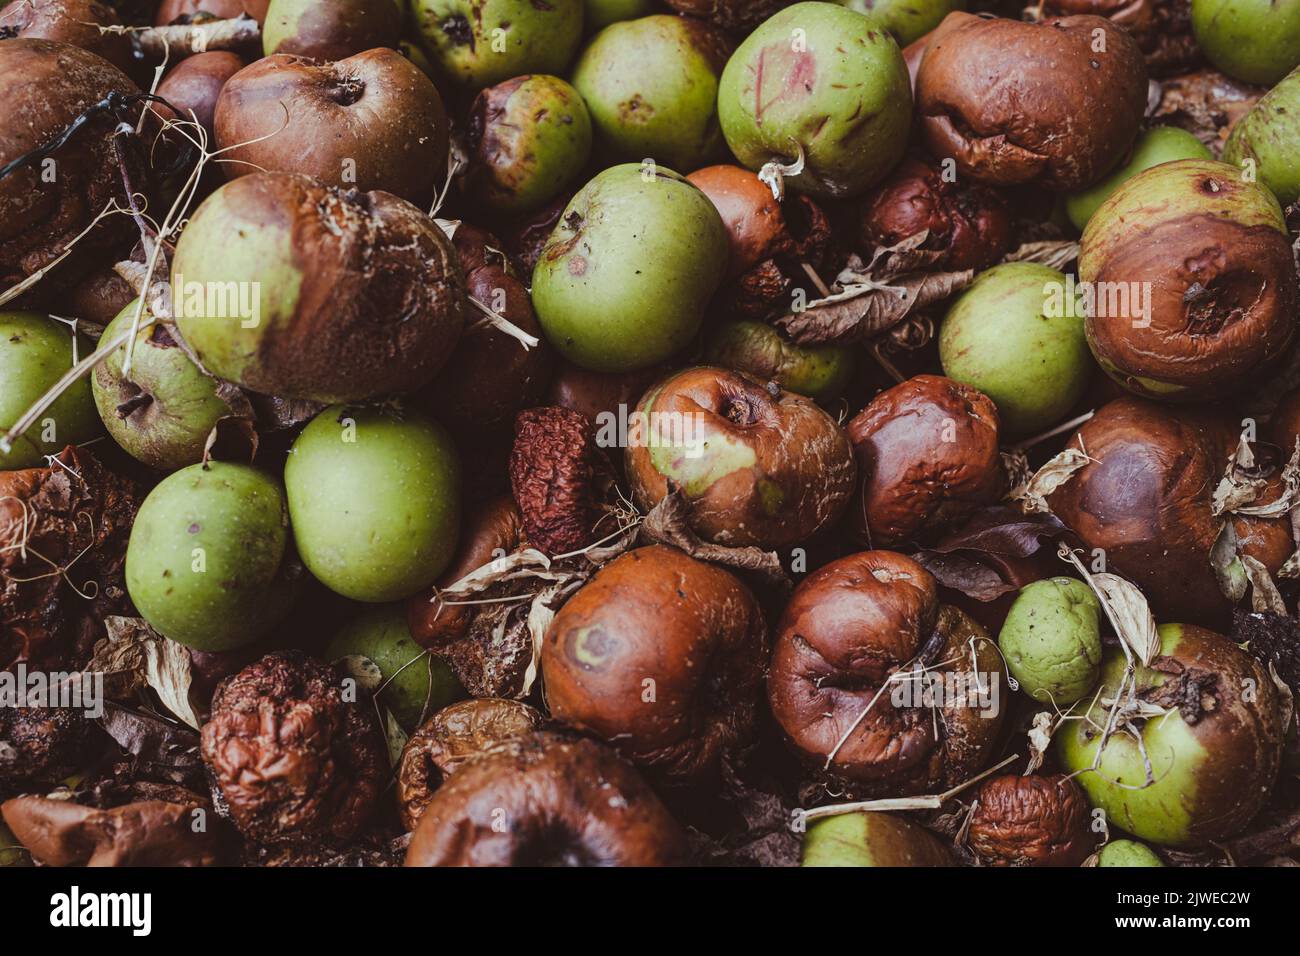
(1253, 40)
(1051, 640)
(906, 20)
(476, 43)
(1127, 853)
(1269, 137)
(207, 564)
(821, 372)
(624, 280)
(374, 496)
(821, 80)
(35, 352)
(163, 411)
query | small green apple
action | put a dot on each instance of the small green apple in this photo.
(871, 839)
(1269, 136)
(1013, 336)
(906, 20)
(1257, 41)
(624, 279)
(821, 372)
(1051, 640)
(374, 496)
(1127, 853)
(476, 43)
(163, 412)
(207, 563)
(415, 682)
(1160, 144)
(35, 352)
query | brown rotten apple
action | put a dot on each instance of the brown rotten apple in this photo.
(928, 456)
(1162, 28)
(45, 86)
(758, 466)
(845, 651)
(969, 224)
(193, 86)
(662, 655)
(371, 121)
(78, 22)
(1030, 821)
(1196, 290)
(326, 294)
(546, 799)
(1143, 499)
(1017, 102)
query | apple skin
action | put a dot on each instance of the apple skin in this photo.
(1127, 853)
(194, 85)
(625, 278)
(412, 676)
(598, 14)
(372, 121)
(35, 352)
(240, 584)
(871, 839)
(357, 295)
(459, 37)
(1257, 41)
(906, 20)
(1210, 776)
(821, 372)
(330, 29)
(375, 501)
(1160, 144)
(845, 98)
(169, 431)
(652, 87)
(758, 466)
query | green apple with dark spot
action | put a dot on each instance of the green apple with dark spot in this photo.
(1269, 136)
(1127, 853)
(1011, 335)
(1160, 144)
(163, 411)
(652, 88)
(906, 20)
(821, 372)
(1210, 733)
(871, 839)
(475, 43)
(1257, 41)
(823, 80)
(415, 683)
(624, 279)
(35, 352)
(208, 563)
(374, 496)
(757, 465)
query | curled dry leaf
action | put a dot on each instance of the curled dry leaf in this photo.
(134, 656)
(1040, 738)
(1129, 614)
(1264, 595)
(1238, 486)
(394, 737)
(668, 523)
(1287, 500)
(1056, 472)
(960, 573)
(1228, 569)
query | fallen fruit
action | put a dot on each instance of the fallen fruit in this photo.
(1051, 640)
(871, 839)
(1253, 40)
(1269, 137)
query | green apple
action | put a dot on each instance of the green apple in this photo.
(1269, 136)
(652, 88)
(599, 14)
(1013, 335)
(624, 279)
(164, 410)
(415, 682)
(208, 562)
(374, 496)
(530, 138)
(1257, 41)
(1212, 745)
(871, 839)
(1051, 640)
(906, 20)
(1127, 853)
(823, 80)
(476, 43)
(1160, 144)
(821, 372)
(35, 352)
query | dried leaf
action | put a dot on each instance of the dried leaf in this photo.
(1002, 530)
(865, 310)
(1264, 595)
(1129, 614)
(1235, 488)
(668, 523)
(960, 573)
(1040, 738)
(1056, 472)
(1227, 566)
(1056, 254)
(540, 615)
(1286, 500)
(134, 655)
(395, 737)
